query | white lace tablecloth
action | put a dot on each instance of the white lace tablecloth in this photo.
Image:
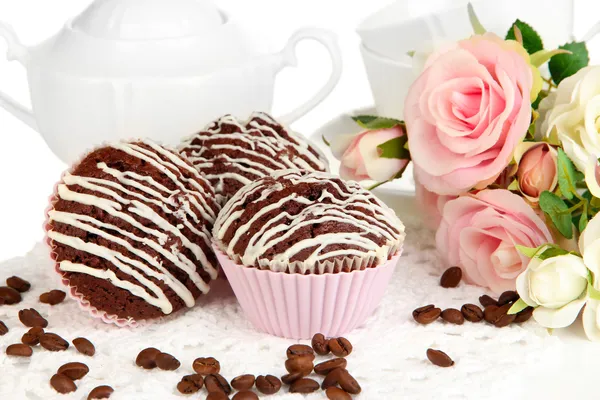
(389, 352)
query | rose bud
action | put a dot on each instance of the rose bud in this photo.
(537, 171)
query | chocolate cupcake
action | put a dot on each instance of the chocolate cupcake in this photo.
(232, 153)
(309, 243)
(129, 227)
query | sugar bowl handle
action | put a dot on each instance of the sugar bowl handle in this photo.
(287, 58)
(15, 51)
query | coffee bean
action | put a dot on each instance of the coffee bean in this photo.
(62, 384)
(74, 370)
(216, 383)
(9, 295)
(439, 358)
(167, 362)
(243, 382)
(19, 284)
(245, 395)
(268, 384)
(84, 346)
(53, 342)
(493, 314)
(453, 316)
(100, 392)
(30, 318)
(334, 393)
(472, 312)
(302, 365)
(340, 347)
(320, 344)
(206, 366)
(288, 379)
(147, 358)
(53, 297)
(304, 385)
(32, 337)
(19, 350)
(332, 378)
(505, 320)
(426, 314)
(217, 396)
(326, 367)
(451, 277)
(510, 296)
(524, 315)
(3, 329)
(300, 350)
(190, 384)
(348, 383)
(486, 300)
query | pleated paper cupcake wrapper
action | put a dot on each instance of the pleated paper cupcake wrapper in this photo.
(297, 306)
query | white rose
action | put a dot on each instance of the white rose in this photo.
(589, 245)
(557, 287)
(571, 115)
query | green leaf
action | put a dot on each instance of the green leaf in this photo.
(372, 122)
(325, 141)
(528, 252)
(541, 57)
(564, 65)
(557, 210)
(593, 292)
(475, 23)
(583, 221)
(567, 175)
(514, 186)
(531, 39)
(551, 251)
(516, 308)
(394, 148)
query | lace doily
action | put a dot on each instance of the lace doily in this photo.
(388, 360)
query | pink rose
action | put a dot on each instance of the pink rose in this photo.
(430, 205)
(538, 164)
(467, 112)
(361, 158)
(479, 232)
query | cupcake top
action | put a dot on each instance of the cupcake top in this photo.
(233, 153)
(307, 222)
(130, 228)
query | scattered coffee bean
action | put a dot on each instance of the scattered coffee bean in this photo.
(216, 383)
(84, 346)
(300, 350)
(340, 347)
(19, 284)
(53, 297)
(62, 384)
(304, 385)
(74, 370)
(206, 366)
(2, 301)
(217, 396)
(100, 392)
(426, 314)
(190, 384)
(451, 277)
(505, 320)
(9, 295)
(268, 384)
(472, 312)
(348, 383)
(245, 395)
(3, 329)
(326, 367)
(167, 362)
(147, 358)
(19, 350)
(524, 315)
(493, 314)
(32, 337)
(301, 365)
(331, 379)
(486, 300)
(243, 382)
(439, 358)
(335, 393)
(30, 318)
(320, 344)
(510, 296)
(288, 379)
(53, 342)
(453, 316)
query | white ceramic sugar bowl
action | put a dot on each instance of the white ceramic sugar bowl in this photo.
(149, 68)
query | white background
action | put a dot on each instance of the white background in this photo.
(28, 170)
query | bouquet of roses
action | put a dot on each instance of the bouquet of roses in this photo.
(506, 166)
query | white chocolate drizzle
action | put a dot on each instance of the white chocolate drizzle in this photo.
(131, 194)
(341, 202)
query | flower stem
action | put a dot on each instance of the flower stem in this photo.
(375, 186)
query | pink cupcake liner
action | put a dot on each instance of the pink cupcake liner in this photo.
(296, 306)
